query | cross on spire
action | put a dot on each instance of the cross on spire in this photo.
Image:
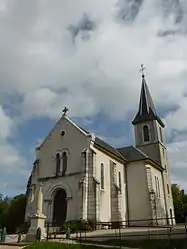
(142, 69)
(65, 111)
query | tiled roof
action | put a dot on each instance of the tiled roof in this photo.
(131, 153)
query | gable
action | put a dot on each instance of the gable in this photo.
(57, 126)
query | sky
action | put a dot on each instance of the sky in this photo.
(86, 55)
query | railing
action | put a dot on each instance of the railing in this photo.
(119, 233)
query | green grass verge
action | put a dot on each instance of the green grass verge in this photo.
(145, 244)
(53, 245)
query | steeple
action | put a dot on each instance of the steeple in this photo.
(147, 110)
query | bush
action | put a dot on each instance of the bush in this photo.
(78, 225)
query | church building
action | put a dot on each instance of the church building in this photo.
(83, 177)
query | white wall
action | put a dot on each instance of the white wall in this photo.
(160, 202)
(137, 191)
(105, 198)
(74, 142)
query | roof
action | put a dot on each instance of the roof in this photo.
(105, 145)
(147, 110)
(131, 153)
(108, 147)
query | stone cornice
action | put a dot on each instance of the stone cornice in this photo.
(56, 177)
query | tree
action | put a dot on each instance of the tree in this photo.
(4, 206)
(16, 213)
(180, 203)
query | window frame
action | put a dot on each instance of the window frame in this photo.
(102, 177)
(145, 126)
(119, 181)
(64, 152)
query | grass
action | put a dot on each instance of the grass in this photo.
(146, 244)
(53, 245)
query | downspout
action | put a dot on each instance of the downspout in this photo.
(127, 195)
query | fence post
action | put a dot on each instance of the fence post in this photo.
(185, 229)
(168, 232)
(19, 237)
(47, 230)
(120, 234)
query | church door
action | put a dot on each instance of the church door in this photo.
(60, 207)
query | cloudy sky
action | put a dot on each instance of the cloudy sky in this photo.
(86, 55)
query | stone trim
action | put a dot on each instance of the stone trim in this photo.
(42, 179)
(52, 190)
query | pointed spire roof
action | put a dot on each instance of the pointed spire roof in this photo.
(147, 110)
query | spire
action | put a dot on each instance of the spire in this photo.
(147, 110)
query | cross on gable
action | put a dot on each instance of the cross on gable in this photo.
(65, 110)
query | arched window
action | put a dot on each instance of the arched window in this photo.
(58, 162)
(146, 133)
(102, 176)
(119, 176)
(64, 162)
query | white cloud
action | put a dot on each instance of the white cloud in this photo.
(11, 159)
(178, 161)
(96, 70)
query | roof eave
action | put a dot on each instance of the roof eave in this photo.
(147, 117)
(115, 156)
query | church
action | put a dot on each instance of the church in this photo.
(83, 177)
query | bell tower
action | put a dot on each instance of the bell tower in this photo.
(149, 138)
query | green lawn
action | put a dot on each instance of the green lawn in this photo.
(146, 244)
(53, 245)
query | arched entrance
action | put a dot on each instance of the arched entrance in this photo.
(60, 207)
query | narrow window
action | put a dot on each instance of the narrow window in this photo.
(58, 162)
(102, 176)
(146, 133)
(64, 163)
(161, 135)
(168, 189)
(158, 187)
(119, 176)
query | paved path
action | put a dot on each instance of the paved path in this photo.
(9, 247)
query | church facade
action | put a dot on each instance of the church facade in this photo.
(83, 177)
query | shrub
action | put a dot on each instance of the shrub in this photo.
(78, 225)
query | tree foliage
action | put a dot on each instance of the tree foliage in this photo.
(12, 212)
(180, 203)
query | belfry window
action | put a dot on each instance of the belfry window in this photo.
(64, 162)
(146, 133)
(102, 176)
(58, 162)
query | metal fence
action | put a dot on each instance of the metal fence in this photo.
(135, 232)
